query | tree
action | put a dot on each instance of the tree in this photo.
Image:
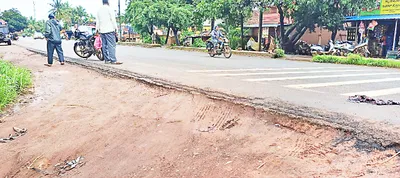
(15, 20)
(79, 15)
(309, 14)
(172, 14)
(56, 7)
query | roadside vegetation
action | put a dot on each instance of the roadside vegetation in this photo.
(13, 80)
(355, 59)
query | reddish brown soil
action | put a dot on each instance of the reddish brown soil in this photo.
(127, 129)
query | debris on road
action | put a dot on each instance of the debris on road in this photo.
(62, 168)
(39, 165)
(369, 100)
(383, 162)
(18, 132)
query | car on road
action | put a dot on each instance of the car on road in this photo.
(38, 35)
(5, 36)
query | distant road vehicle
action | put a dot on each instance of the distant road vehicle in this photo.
(38, 35)
(5, 36)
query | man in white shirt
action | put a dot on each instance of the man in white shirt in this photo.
(106, 25)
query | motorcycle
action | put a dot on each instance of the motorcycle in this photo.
(343, 49)
(84, 47)
(223, 48)
(323, 50)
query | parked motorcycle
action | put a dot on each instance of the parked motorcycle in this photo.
(302, 48)
(223, 48)
(343, 49)
(323, 50)
(84, 47)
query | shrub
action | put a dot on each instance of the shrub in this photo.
(198, 42)
(279, 53)
(12, 81)
(357, 60)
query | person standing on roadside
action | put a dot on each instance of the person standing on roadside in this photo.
(106, 25)
(53, 38)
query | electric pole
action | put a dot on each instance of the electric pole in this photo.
(119, 17)
(34, 10)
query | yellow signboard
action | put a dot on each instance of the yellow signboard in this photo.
(390, 7)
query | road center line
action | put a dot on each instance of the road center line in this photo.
(315, 85)
(315, 77)
(279, 73)
(264, 69)
(375, 93)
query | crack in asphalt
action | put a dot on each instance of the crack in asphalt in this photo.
(369, 135)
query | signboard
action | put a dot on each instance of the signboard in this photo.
(390, 7)
(384, 7)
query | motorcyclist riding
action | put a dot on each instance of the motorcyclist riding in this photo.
(216, 34)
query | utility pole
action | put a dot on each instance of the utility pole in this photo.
(119, 17)
(34, 10)
(260, 26)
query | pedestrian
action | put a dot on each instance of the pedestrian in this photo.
(106, 25)
(53, 38)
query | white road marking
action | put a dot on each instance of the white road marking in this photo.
(316, 76)
(375, 93)
(315, 85)
(279, 73)
(265, 69)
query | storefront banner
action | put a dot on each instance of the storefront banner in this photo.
(390, 7)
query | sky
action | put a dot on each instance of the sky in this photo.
(43, 7)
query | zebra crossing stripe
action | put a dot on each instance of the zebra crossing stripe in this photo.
(316, 77)
(281, 73)
(375, 93)
(264, 69)
(315, 85)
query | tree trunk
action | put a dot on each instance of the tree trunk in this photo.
(299, 35)
(166, 40)
(242, 30)
(290, 30)
(282, 24)
(334, 33)
(212, 24)
(178, 43)
(260, 28)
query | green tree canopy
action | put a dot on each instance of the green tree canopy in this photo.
(15, 20)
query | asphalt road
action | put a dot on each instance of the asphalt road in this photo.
(322, 86)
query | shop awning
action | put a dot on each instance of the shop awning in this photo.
(372, 17)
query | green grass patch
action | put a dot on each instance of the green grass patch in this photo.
(13, 80)
(279, 53)
(357, 60)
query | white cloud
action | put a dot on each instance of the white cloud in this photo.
(43, 7)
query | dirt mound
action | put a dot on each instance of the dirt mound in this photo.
(123, 128)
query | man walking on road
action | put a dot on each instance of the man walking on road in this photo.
(53, 37)
(106, 25)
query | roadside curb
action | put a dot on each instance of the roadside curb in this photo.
(144, 45)
(378, 135)
(245, 53)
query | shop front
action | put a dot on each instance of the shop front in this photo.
(379, 28)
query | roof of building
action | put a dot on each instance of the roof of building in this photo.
(270, 17)
(373, 17)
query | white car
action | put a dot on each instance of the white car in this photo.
(38, 35)
(88, 30)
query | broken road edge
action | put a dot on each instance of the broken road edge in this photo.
(369, 134)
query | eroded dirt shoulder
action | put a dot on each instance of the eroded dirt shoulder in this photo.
(123, 128)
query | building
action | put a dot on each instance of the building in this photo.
(379, 27)
(271, 28)
(271, 24)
